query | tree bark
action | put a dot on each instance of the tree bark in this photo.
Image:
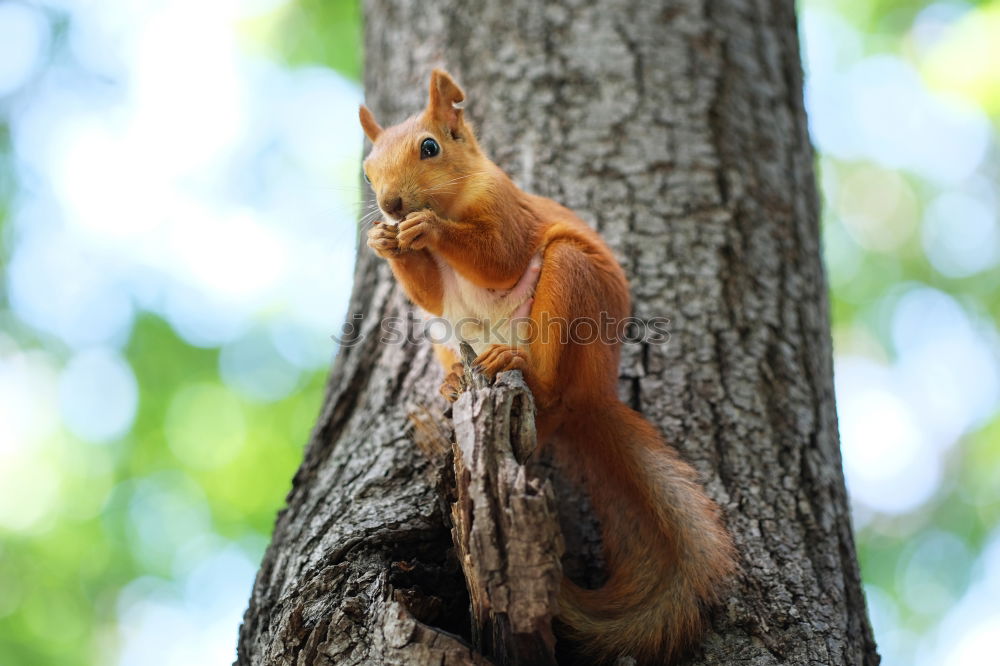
(678, 130)
(505, 526)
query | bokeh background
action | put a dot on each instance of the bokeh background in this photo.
(178, 205)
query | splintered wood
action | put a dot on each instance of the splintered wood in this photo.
(504, 523)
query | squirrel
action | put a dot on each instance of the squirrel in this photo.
(468, 245)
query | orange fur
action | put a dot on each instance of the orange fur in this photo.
(461, 220)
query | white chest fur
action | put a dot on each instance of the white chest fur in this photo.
(480, 316)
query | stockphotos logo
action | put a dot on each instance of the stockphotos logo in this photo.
(413, 329)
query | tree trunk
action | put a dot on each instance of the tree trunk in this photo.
(678, 130)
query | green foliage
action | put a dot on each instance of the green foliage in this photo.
(201, 463)
(68, 574)
(314, 32)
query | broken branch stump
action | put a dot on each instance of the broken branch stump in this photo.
(504, 523)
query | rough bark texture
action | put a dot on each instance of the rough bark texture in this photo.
(677, 129)
(505, 525)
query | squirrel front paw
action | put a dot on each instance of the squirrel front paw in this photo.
(382, 239)
(418, 230)
(501, 358)
(454, 383)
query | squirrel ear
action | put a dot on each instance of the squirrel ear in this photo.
(369, 124)
(444, 95)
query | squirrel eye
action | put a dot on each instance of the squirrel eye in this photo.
(429, 148)
(367, 179)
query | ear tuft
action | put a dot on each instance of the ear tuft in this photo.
(445, 94)
(369, 124)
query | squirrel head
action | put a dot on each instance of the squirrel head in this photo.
(430, 160)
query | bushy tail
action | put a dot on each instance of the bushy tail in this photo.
(667, 551)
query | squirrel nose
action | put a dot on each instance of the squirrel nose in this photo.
(393, 206)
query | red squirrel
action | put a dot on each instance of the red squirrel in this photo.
(466, 244)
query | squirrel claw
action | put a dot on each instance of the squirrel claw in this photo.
(416, 230)
(383, 241)
(501, 358)
(452, 387)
